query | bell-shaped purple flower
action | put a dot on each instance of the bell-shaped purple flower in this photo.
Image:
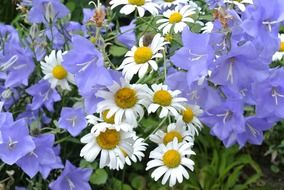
(73, 120)
(269, 94)
(87, 64)
(225, 119)
(15, 141)
(43, 94)
(46, 11)
(72, 178)
(127, 36)
(195, 55)
(42, 159)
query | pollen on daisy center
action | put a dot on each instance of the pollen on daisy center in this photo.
(108, 139)
(59, 72)
(136, 2)
(125, 98)
(142, 55)
(162, 97)
(175, 18)
(169, 1)
(187, 115)
(281, 47)
(172, 158)
(169, 137)
(109, 120)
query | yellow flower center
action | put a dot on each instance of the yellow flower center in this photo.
(109, 139)
(169, 137)
(168, 37)
(175, 18)
(169, 1)
(136, 2)
(106, 119)
(172, 158)
(142, 55)
(187, 115)
(125, 98)
(162, 97)
(281, 47)
(59, 72)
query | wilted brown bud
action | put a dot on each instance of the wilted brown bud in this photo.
(221, 15)
(147, 39)
(99, 16)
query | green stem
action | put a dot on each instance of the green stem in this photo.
(156, 129)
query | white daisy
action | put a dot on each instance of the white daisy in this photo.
(169, 3)
(110, 144)
(162, 97)
(280, 53)
(139, 147)
(100, 124)
(208, 27)
(123, 101)
(241, 4)
(141, 58)
(173, 131)
(176, 19)
(171, 160)
(54, 72)
(131, 5)
(189, 118)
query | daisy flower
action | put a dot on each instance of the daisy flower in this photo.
(170, 162)
(131, 5)
(241, 4)
(110, 144)
(123, 101)
(189, 118)
(139, 147)
(141, 58)
(176, 19)
(167, 100)
(173, 131)
(100, 124)
(169, 3)
(280, 53)
(54, 72)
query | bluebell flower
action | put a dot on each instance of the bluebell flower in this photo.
(87, 64)
(16, 65)
(269, 94)
(240, 65)
(42, 159)
(127, 36)
(72, 178)
(73, 120)
(43, 95)
(225, 118)
(195, 55)
(46, 11)
(15, 141)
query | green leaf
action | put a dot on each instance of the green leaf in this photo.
(117, 185)
(71, 5)
(117, 51)
(99, 177)
(138, 182)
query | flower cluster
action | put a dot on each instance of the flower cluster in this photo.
(80, 82)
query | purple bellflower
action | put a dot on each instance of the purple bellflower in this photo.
(46, 11)
(15, 141)
(73, 120)
(42, 159)
(72, 178)
(43, 94)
